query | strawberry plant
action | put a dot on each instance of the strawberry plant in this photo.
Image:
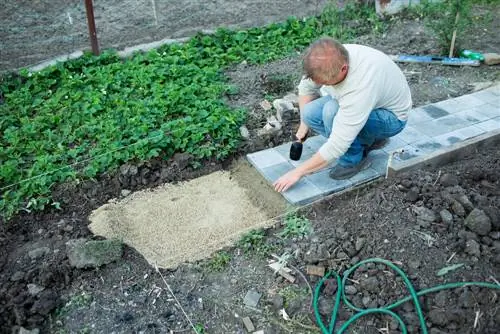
(83, 117)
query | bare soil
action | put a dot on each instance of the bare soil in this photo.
(381, 220)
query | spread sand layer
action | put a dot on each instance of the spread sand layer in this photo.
(181, 222)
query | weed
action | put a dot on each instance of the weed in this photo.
(219, 261)
(255, 242)
(290, 293)
(76, 301)
(199, 329)
(296, 226)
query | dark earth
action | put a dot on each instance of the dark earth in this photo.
(402, 219)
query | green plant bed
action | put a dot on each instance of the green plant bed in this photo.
(83, 117)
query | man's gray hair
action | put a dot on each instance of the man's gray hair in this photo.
(324, 58)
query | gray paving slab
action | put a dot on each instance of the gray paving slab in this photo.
(430, 128)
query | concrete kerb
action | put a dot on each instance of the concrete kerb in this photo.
(448, 154)
(127, 52)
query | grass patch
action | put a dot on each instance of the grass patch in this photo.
(78, 119)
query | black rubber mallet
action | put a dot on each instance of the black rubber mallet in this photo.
(296, 149)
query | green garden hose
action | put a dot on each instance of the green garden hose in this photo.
(341, 296)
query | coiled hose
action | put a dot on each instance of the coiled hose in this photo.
(341, 296)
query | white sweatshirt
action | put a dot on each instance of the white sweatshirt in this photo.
(373, 81)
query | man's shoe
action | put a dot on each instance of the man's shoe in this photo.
(378, 144)
(341, 173)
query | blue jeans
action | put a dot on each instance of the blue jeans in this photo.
(381, 124)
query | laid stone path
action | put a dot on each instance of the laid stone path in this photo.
(430, 128)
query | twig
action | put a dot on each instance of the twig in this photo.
(153, 2)
(494, 280)
(307, 282)
(476, 321)
(439, 175)
(176, 300)
(451, 257)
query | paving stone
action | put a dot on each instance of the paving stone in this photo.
(434, 111)
(364, 176)
(487, 95)
(443, 125)
(451, 106)
(252, 298)
(468, 101)
(418, 115)
(490, 125)
(495, 90)
(378, 160)
(314, 143)
(326, 184)
(490, 110)
(272, 173)
(303, 192)
(284, 150)
(265, 158)
(427, 146)
(410, 135)
(459, 135)
(473, 115)
(408, 152)
(393, 144)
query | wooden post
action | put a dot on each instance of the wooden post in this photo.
(91, 23)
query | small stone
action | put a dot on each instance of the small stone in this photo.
(126, 317)
(495, 235)
(284, 109)
(252, 298)
(478, 222)
(266, 105)
(360, 243)
(412, 196)
(125, 192)
(23, 330)
(424, 214)
(350, 290)
(438, 317)
(448, 180)
(414, 264)
(457, 208)
(277, 301)
(472, 248)
(245, 134)
(446, 217)
(34, 289)
(18, 275)
(84, 253)
(292, 98)
(366, 301)
(370, 284)
(407, 183)
(464, 200)
(68, 228)
(38, 253)
(441, 299)
(466, 235)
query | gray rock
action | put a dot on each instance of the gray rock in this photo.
(412, 196)
(277, 301)
(35, 289)
(292, 98)
(448, 180)
(457, 208)
(350, 290)
(478, 222)
(464, 200)
(23, 330)
(472, 247)
(370, 284)
(18, 275)
(494, 214)
(38, 252)
(495, 235)
(94, 253)
(181, 160)
(325, 307)
(284, 109)
(125, 192)
(466, 235)
(245, 134)
(360, 243)
(424, 214)
(46, 303)
(438, 317)
(414, 264)
(446, 217)
(441, 299)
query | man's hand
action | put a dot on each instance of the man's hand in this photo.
(287, 180)
(302, 132)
